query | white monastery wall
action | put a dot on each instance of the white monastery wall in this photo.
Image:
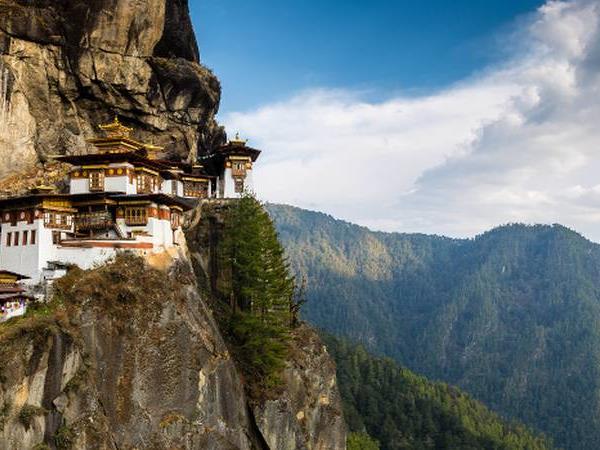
(167, 187)
(229, 185)
(79, 186)
(24, 259)
(111, 183)
(229, 188)
(249, 181)
(119, 184)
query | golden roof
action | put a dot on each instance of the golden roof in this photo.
(115, 129)
(118, 140)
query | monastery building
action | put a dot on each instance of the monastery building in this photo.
(121, 197)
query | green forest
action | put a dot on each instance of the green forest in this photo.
(391, 408)
(512, 316)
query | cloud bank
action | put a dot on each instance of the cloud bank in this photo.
(519, 143)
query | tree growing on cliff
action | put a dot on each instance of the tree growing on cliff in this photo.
(261, 291)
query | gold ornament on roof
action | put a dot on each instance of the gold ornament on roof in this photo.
(237, 140)
(116, 129)
(117, 139)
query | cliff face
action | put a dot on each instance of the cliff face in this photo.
(67, 65)
(130, 357)
(307, 415)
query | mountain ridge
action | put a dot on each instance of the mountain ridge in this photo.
(510, 316)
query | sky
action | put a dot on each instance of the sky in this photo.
(444, 117)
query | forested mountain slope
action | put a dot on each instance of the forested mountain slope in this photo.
(405, 411)
(512, 316)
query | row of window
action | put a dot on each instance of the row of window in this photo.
(57, 220)
(136, 216)
(147, 183)
(16, 238)
(195, 189)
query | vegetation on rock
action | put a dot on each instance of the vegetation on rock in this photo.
(28, 413)
(405, 411)
(361, 441)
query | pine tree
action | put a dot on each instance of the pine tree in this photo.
(261, 291)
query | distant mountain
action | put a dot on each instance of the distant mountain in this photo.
(405, 411)
(512, 316)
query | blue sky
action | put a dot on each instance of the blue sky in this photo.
(445, 117)
(266, 50)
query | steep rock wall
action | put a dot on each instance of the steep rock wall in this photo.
(130, 357)
(66, 66)
(307, 414)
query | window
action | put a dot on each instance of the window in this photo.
(25, 237)
(58, 220)
(97, 180)
(174, 187)
(136, 216)
(239, 185)
(97, 220)
(33, 237)
(175, 220)
(16, 239)
(56, 237)
(195, 189)
(146, 183)
(238, 168)
(8, 239)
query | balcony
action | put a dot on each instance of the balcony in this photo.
(100, 220)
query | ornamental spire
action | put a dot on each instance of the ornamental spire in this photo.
(237, 140)
(116, 129)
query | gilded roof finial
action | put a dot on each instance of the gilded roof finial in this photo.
(237, 140)
(116, 129)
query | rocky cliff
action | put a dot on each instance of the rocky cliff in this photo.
(68, 65)
(127, 356)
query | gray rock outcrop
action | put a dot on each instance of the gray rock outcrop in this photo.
(68, 65)
(130, 357)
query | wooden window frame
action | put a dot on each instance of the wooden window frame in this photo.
(96, 178)
(196, 189)
(176, 220)
(16, 237)
(62, 221)
(33, 237)
(238, 168)
(25, 240)
(136, 216)
(9, 239)
(238, 185)
(146, 183)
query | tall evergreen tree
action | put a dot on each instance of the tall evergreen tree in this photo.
(261, 291)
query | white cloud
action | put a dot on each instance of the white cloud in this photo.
(520, 143)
